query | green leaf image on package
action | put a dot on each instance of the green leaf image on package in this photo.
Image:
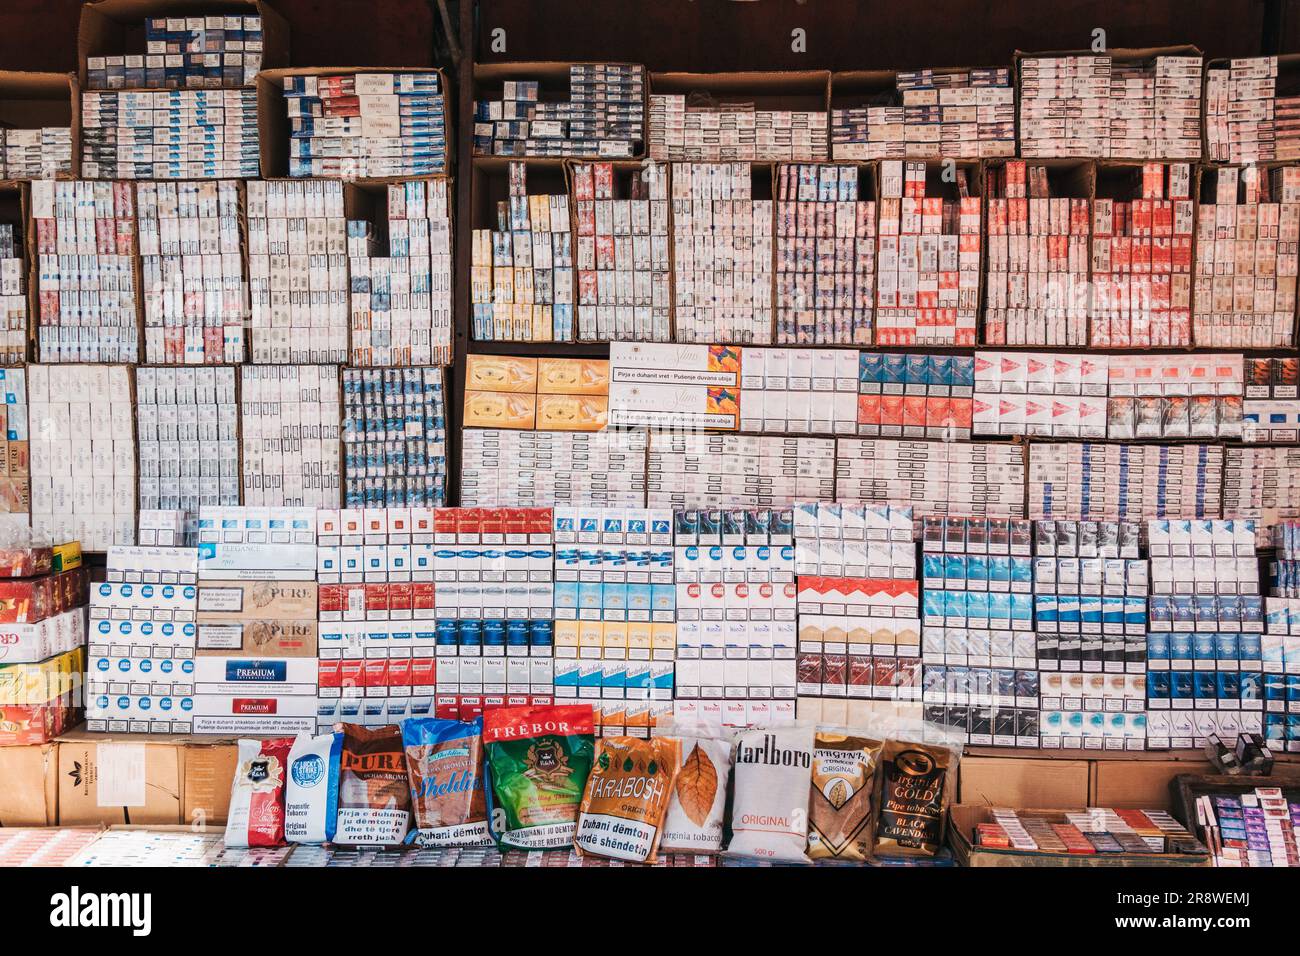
(539, 758)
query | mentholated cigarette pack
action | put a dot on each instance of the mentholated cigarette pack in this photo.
(522, 271)
(15, 463)
(696, 386)
(85, 241)
(291, 430)
(962, 478)
(83, 455)
(366, 124)
(42, 153)
(1246, 258)
(734, 132)
(1037, 275)
(13, 296)
(1082, 480)
(722, 255)
(298, 271)
(622, 256)
(401, 303)
(502, 467)
(694, 470)
(188, 439)
(192, 264)
(1142, 261)
(804, 391)
(604, 116)
(172, 134)
(826, 266)
(394, 438)
(928, 258)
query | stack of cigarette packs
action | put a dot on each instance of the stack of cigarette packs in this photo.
(1155, 109)
(255, 668)
(1246, 258)
(696, 470)
(604, 116)
(800, 390)
(1175, 396)
(912, 395)
(85, 241)
(1061, 395)
(826, 257)
(933, 477)
(737, 616)
(522, 273)
(1262, 483)
(1241, 124)
(176, 134)
(298, 271)
(366, 124)
(140, 667)
(501, 467)
(394, 438)
(13, 297)
(15, 462)
(83, 453)
(734, 132)
(674, 386)
(722, 255)
(180, 52)
(35, 153)
(1142, 262)
(1271, 411)
(193, 272)
(290, 426)
(928, 263)
(550, 394)
(963, 115)
(187, 421)
(1037, 277)
(1064, 106)
(624, 291)
(401, 303)
(1116, 482)
(1252, 828)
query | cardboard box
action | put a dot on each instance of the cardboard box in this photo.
(1028, 782)
(111, 779)
(1139, 783)
(209, 770)
(29, 797)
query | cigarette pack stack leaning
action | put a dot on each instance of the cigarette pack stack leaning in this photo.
(13, 297)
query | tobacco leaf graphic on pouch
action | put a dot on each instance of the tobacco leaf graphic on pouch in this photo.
(839, 794)
(697, 785)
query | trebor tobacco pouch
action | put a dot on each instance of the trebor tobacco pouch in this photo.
(769, 814)
(699, 798)
(915, 786)
(840, 802)
(538, 760)
(626, 799)
(444, 761)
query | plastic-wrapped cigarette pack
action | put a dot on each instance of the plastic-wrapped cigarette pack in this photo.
(1246, 258)
(1142, 262)
(722, 255)
(1271, 411)
(204, 52)
(83, 454)
(169, 134)
(1037, 277)
(298, 271)
(928, 258)
(826, 257)
(15, 464)
(13, 296)
(960, 114)
(42, 153)
(1262, 483)
(622, 261)
(604, 116)
(85, 241)
(394, 438)
(290, 425)
(522, 273)
(501, 467)
(799, 390)
(695, 470)
(734, 132)
(933, 477)
(366, 124)
(1114, 482)
(913, 395)
(401, 303)
(192, 263)
(1241, 113)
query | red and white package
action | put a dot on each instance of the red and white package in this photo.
(256, 816)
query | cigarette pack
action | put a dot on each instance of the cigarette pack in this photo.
(290, 435)
(734, 131)
(394, 438)
(43, 153)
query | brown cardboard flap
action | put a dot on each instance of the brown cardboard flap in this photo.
(209, 770)
(29, 793)
(1012, 782)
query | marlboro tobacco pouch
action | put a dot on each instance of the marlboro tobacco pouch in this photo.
(769, 815)
(444, 760)
(374, 796)
(539, 758)
(256, 815)
(915, 788)
(840, 802)
(627, 795)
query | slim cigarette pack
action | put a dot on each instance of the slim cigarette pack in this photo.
(734, 132)
(291, 430)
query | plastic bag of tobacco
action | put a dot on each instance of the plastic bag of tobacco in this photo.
(697, 808)
(841, 803)
(915, 785)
